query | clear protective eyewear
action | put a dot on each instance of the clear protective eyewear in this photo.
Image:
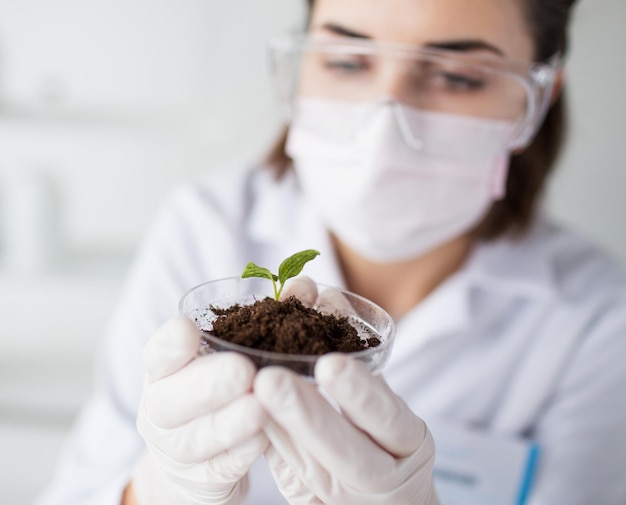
(428, 79)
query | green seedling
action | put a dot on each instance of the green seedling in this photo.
(289, 268)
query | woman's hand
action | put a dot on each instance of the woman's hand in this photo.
(201, 423)
(375, 451)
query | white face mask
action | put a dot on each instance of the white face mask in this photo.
(386, 200)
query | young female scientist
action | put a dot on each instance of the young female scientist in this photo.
(422, 133)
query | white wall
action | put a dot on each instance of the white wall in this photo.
(126, 97)
(104, 105)
(108, 103)
(590, 184)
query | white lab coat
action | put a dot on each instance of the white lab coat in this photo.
(528, 339)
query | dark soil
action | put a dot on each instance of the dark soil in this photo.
(287, 327)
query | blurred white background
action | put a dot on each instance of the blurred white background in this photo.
(104, 105)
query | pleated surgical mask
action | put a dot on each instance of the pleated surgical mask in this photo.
(387, 197)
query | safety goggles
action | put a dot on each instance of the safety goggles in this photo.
(432, 80)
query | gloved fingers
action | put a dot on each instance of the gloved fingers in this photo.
(295, 456)
(370, 404)
(205, 385)
(171, 347)
(332, 301)
(232, 464)
(206, 436)
(328, 301)
(303, 288)
(321, 433)
(288, 481)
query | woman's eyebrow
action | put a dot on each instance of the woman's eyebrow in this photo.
(461, 45)
(342, 30)
(465, 45)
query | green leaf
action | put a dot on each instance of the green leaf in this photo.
(289, 268)
(293, 265)
(253, 270)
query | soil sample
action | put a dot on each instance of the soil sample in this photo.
(288, 327)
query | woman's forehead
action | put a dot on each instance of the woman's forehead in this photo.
(497, 23)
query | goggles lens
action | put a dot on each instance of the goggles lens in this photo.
(429, 80)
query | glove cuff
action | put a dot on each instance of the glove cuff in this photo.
(153, 486)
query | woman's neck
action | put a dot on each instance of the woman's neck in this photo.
(398, 287)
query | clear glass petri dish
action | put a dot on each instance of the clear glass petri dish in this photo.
(364, 315)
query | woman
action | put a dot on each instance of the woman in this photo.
(422, 134)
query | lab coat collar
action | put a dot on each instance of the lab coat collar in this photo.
(518, 270)
(522, 268)
(444, 311)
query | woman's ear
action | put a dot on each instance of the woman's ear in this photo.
(557, 87)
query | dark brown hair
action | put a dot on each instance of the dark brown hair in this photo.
(548, 21)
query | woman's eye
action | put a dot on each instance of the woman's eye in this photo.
(346, 66)
(460, 82)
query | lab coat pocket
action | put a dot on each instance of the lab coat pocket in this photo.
(475, 467)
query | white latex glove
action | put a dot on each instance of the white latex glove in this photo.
(202, 425)
(373, 451)
(329, 301)
(376, 451)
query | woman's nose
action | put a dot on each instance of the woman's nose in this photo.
(398, 82)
